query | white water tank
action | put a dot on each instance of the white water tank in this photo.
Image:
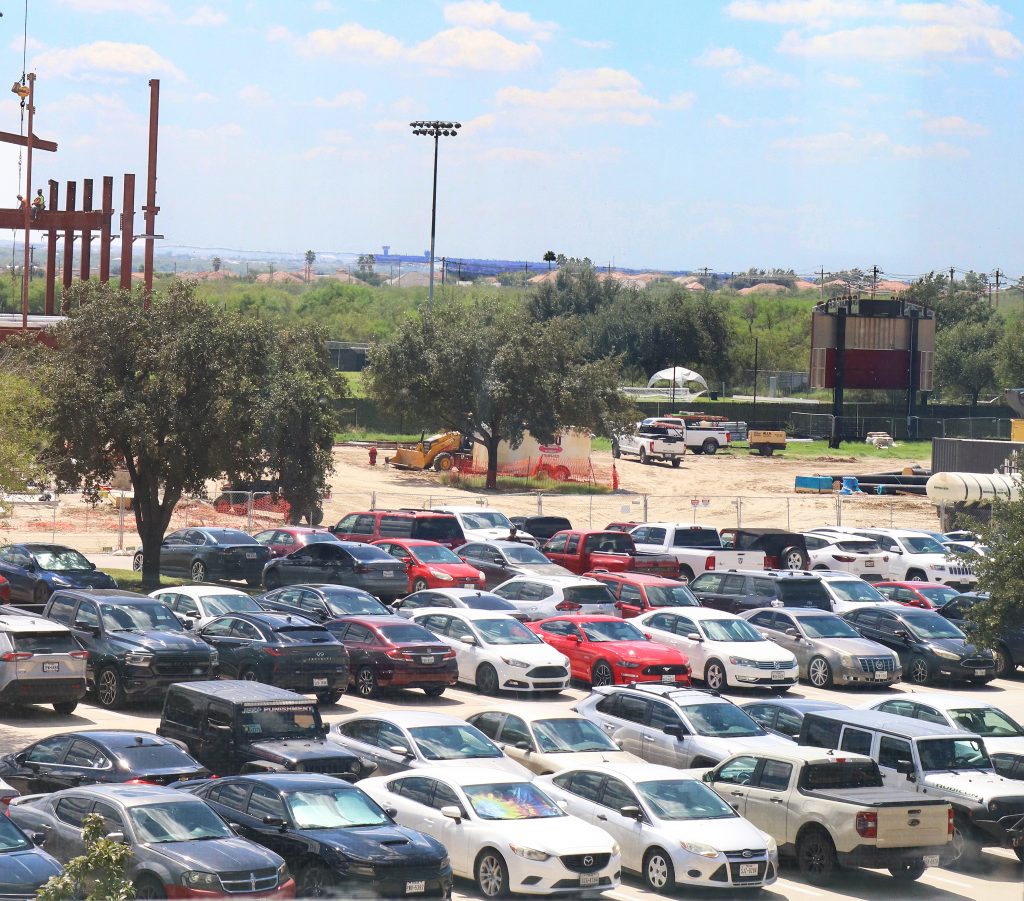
(972, 488)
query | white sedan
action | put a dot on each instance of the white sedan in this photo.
(200, 604)
(673, 829)
(724, 650)
(504, 833)
(496, 652)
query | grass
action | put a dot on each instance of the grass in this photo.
(130, 580)
(357, 434)
(905, 451)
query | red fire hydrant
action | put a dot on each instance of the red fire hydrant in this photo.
(373, 456)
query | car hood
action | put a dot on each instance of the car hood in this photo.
(159, 641)
(490, 534)
(956, 645)
(1007, 745)
(574, 759)
(504, 764)
(726, 834)
(299, 749)
(555, 835)
(26, 869)
(539, 569)
(857, 646)
(80, 578)
(459, 570)
(396, 845)
(977, 785)
(762, 651)
(539, 654)
(753, 742)
(644, 651)
(219, 855)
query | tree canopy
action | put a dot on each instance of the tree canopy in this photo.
(21, 439)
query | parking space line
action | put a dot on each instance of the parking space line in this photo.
(796, 887)
(954, 882)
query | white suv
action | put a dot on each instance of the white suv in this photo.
(540, 597)
(917, 556)
(849, 553)
(485, 524)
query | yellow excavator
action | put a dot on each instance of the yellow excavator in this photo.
(439, 452)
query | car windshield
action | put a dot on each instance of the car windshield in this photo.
(611, 630)
(729, 630)
(845, 774)
(524, 554)
(139, 618)
(952, 754)
(670, 596)
(989, 722)
(229, 536)
(286, 721)
(366, 553)
(923, 544)
(856, 590)
(683, 799)
(61, 560)
(931, 625)
(565, 736)
(407, 633)
(511, 801)
(219, 604)
(720, 721)
(827, 627)
(345, 603)
(11, 837)
(426, 553)
(505, 631)
(938, 596)
(334, 808)
(153, 755)
(177, 821)
(588, 594)
(486, 519)
(453, 743)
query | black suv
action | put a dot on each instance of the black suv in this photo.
(736, 590)
(137, 646)
(245, 727)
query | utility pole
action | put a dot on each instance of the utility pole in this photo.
(821, 285)
(999, 275)
(950, 281)
(444, 268)
(27, 198)
(874, 280)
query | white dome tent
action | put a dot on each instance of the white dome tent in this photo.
(681, 378)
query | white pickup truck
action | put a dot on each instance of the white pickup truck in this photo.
(831, 809)
(652, 441)
(697, 548)
(701, 437)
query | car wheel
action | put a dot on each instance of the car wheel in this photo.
(643, 457)
(41, 594)
(366, 683)
(819, 673)
(793, 558)
(714, 675)
(816, 856)
(486, 679)
(965, 846)
(249, 674)
(675, 462)
(602, 674)
(434, 691)
(1004, 663)
(909, 871)
(198, 571)
(710, 446)
(659, 873)
(697, 450)
(64, 707)
(329, 697)
(686, 573)
(253, 581)
(149, 887)
(109, 689)
(420, 584)
(272, 580)
(915, 575)
(491, 874)
(314, 880)
(137, 562)
(919, 671)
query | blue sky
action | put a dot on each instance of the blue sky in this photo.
(662, 133)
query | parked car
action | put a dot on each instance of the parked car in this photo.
(207, 554)
(724, 650)
(1009, 764)
(915, 556)
(652, 441)
(737, 591)
(548, 744)
(425, 525)
(605, 650)
(179, 845)
(502, 831)
(1009, 652)
(97, 756)
(496, 652)
(926, 595)
(279, 649)
(386, 652)
(245, 727)
(399, 740)
(678, 727)
(5, 590)
(540, 527)
(1001, 732)
(334, 837)
(340, 563)
(322, 602)
(432, 565)
(848, 592)
(782, 549)
(500, 561)
(827, 648)
(583, 550)
(34, 571)
(860, 557)
(486, 524)
(543, 596)
(455, 599)
(636, 593)
(196, 605)
(24, 867)
(287, 539)
(40, 663)
(929, 646)
(696, 548)
(137, 647)
(783, 716)
(673, 829)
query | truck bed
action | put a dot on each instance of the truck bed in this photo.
(874, 797)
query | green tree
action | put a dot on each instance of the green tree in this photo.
(21, 439)
(96, 875)
(215, 263)
(1010, 354)
(486, 370)
(575, 291)
(965, 358)
(549, 258)
(310, 260)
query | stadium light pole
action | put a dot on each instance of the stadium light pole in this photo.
(436, 130)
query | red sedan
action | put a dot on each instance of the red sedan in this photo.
(925, 595)
(606, 650)
(5, 590)
(290, 538)
(432, 565)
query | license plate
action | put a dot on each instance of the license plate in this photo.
(387, 574)
(250, 555)
(778, 675)
(319, 683)
(426, 660)
(880, 674)
(51, 667)
(931, 860)
(587, 879)
(980, 672)
(411, 888)
(869, 564)
(748, 869)
(198, 671)
(668, 677)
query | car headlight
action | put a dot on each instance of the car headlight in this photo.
(946, 655)
(282, 874)
(437, 574)
(848, 661)
(138, 658)
(627, 664)
(57, 580)
(773, 847)
(742, 661)
(480, 575)
(702, 850)
(214, 657)
(615, 848)
(529, 853)
(200, 879)
(566, 662)
(361, 869)
(445, 864)
(511, 661)
(939, 568)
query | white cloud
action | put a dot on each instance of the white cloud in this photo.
(104, 59)
(484, 14)
(335, 136)
(902, 42)
(254, 95)
(844, 146)
(323, 6)
(593, 45)
(949, 125)
(353, 38)
(149, 8)
(31, 45)
(719, 58)
(740, 71)
(203, 97)
(207, 16)
(279, 33)
(315, 153)
(848, 82)
(804, 12)
(472, 127)
(343, 100)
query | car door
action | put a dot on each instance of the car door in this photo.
(488, 560)
(516, 741)
(782, 624)
(582, 789)
(387, 740)
(708, 589)
(631, 601)
(173, 553)
(565, 637)
(672, 748)
(456, 837)
(39, 766)
(266, 804)
(767, 795)
(85, 762)
(732, 780)
(626, 830)
(86, 628)
(217, 634)
(313, 606)
(361, 736)
(15, 563)
(555, 550)
(362, 648)
(886, 628)
(467, 656)
(894, 755)
(630, 724)
(64, 837)
(696, 651)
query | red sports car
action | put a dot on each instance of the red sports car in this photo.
(290, 538)
(606, 650)
(926, 595)
(432, 565)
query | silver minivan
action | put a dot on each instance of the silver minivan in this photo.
(40, 662)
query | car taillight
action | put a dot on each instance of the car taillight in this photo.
(709, 563)
(141, 782)
(842, 558)
(79, 655)
(395, 652)
(273, 652)
(11, 656)
(949, 821)
(728, 437)
(568, 607)
(448, 655)
(361, 568)
(652, 447)
(867, 824)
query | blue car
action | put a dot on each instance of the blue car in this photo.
(208, 554)
(35, 571)
(23, 866)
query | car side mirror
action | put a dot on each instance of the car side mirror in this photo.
(648, 636)
(709, 776)
(39, 838)
(187, 624)
(902, 633)
(273, 821)
(92, 565)
(86, 627)
(579, 639)
(905, 767)
(117, 837)
(896, 550)
(391, 811)
(467, 639)
(452, 812)
(400, 750)
(676, 730)
(497, 559)
(630, 812)
(522, 745)
(222, 730)
(792, 633)
(693, 636)
(397, 603)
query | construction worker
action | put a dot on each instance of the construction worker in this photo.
(38, 204)
(373, 455)
(21, 203)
